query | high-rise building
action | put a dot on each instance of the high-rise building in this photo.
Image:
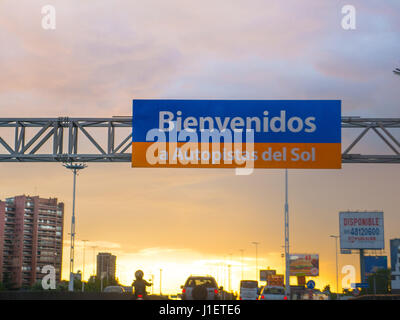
(106, 263)
(31, 236)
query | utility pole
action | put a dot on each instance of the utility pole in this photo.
(337, 267)
(75, 167)
(256, 244)
(83, 268)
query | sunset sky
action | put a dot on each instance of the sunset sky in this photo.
(103, 54)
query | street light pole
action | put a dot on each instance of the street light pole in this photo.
(75, 167)
(337, 268)
(241, 262)
(94, 260)
(287, 254)
(229, 271)
(160, 280)
(256, 244)
(229, 277)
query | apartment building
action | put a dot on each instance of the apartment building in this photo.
(106, 265)
(31, 236)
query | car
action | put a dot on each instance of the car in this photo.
(117, 289)
(272, 293)
(201, 288)
(248, 290)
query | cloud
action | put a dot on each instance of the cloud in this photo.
(101, 56)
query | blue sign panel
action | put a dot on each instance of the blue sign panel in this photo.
(374, 263)
(394, 253)
(311, 284)
(278, 133)
(304, 121)
(359, 285)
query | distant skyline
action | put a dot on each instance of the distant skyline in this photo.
(102, 55)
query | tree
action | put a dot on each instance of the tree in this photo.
(94, 284)
(7, 283)
(37, 286)
(327, 288)
(62, 286)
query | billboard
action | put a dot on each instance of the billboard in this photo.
(361, 230)
(236, 134)
(304, 265)
(276, 280)
(394, 253)
(374, 263)
(301, 280)
(265, 273)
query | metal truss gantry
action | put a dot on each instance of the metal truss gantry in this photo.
(64, 134)
(61, 139)
(382, 127)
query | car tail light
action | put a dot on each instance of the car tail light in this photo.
(285, 298)
(216, 291)
(183, 290)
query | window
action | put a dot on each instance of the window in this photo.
(248, 284)
(47, 227)
(207, 282)
(272, 290)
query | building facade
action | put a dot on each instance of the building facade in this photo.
(106, 265)
(31, 237)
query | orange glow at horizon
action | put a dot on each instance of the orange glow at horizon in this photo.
(177, 265)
